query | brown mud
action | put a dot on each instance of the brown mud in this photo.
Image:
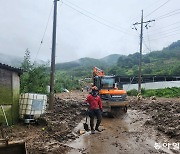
(147, 123)
(126, 134)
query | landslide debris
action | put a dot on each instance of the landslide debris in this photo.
(165, 114)
(55, 128)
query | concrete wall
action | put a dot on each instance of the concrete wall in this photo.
(153, 85)
(5, 87)
(15, 96)
(9, 95)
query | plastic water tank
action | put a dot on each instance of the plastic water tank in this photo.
(32, 104)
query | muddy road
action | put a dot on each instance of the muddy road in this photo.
(150, 126)
(124, 135)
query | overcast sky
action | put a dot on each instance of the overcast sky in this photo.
(86, 28)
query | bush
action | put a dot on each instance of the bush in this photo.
(65, 81)
(167, 92)
(132, 92)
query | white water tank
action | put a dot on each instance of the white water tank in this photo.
(31, 104)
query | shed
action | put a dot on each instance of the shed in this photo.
(9, 92)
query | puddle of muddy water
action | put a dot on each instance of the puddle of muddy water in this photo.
(125, 134)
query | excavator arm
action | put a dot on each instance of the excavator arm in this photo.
(97, 72)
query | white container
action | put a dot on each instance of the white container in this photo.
(48, 89)
(32, 104)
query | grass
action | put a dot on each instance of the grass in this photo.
(166, 92)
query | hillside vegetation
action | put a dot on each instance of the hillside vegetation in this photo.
(166, 92)
(164, 62)
(68, 75)
(89, 62)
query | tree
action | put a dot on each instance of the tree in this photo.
(35, 78)
(65, 81)
(26, 64)
(115, 70)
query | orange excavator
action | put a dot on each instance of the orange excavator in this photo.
(113, 99)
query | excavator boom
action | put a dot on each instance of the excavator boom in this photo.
(98, 72)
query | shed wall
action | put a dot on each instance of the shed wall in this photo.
(9, 95)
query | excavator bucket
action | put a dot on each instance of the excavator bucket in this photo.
(13, 147)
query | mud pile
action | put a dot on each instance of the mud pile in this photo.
(54, 129)
(165, 114)
(62, 120)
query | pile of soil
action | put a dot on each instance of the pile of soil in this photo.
(165, 114)
(55, 128)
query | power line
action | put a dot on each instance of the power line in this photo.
(147, 7)
(149, 48)
(166, 33)
(96, 15)
(93, 18)
(166, 30)
(168, 13)
(165, 26)
(160, 18)
(166, 36)
(146, 46)
(44, 33)
(152, 4)
(158, 8)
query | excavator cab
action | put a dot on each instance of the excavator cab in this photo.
(105, 82)
(113, 99)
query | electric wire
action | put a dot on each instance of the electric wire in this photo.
(107, 25)
(168, 13)
(147, 7)
(149, 40)
(150, 5)
(167, 16)
(96, 15)
(166, 36)
(40, 45)
(144, 43)
(158, 8)
(166, 32)
(165, 26)
(148, 48)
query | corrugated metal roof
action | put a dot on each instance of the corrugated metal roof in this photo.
(10, 68)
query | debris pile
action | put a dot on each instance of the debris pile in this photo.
(54, 129)
(62, 120)
(165, 114)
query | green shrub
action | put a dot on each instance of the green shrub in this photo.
(166, 92)
(132, 92)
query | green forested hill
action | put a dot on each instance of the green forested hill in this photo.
(83, 62)
(89, 63)
(164, 62)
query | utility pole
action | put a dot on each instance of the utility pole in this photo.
(140, 56)
(51, 99)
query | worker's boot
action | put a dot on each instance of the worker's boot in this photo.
(97, 129)
(92, 131)
(98, 122)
